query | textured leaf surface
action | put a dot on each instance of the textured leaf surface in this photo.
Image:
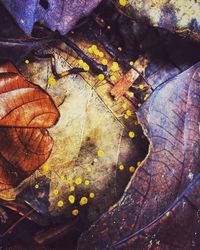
(58, 15)
(160, 206)
(26, 110)
(91, 140)
(177, 16)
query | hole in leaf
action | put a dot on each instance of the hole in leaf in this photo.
(44, 4)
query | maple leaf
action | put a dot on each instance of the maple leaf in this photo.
(160, 206)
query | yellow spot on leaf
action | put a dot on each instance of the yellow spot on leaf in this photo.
(87, 182)
(131, 134)
(51, 80)
(101, 77)
(83, 201)
(128, 112)
(101, 54)
(60, 204)
(115, 66)
(121, 167)
(122, 2)
(91, 195)
(75, 212)
(27, 61)
(72, 188)
(36, 186)
(100, 153)
(55, 191)
(131, 94)
(104, 61)
(71, 199)
(78, 181)
(113, 78)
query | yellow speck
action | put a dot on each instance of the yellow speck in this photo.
(36, 186)
(100, 153)
(131, 169)
(119, 48)
(122, 2)
(94, 47)
(131, 63)
(131, 94)
(86, 67)
(55, 191)
(51, 80)
(101, 77)
(141, 86)
(80, 62)
(113, 78)
(72, 188)
(75, 212)
(104, 61)
(131, 134)
(96, 52)
(60, 203)
(62, 177)
(90, 50)
(91, 195)
(115, 66)
(101, 54)
(71, 199)
(87, 182)
(27, 61)
(108, 27)
(138, 163)
(121, 167)
(45, 168)
(83, 201)
(139, 104)
(128, 112)
(69, 180)
(146, 96)
(126, 116)
(78, 181)
(95, 160)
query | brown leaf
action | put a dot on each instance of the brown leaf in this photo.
(161, 205)
(29, 110)
(24, 104)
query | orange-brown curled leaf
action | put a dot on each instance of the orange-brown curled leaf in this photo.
(23, 104)
(26, 111)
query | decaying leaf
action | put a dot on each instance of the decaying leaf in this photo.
(94, 136)
(57, 15)
(26, 110)
(180, 16)
(160, 207)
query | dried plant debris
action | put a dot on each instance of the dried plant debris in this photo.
(160, 204)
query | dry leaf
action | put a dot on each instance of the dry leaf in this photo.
(160, 207)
